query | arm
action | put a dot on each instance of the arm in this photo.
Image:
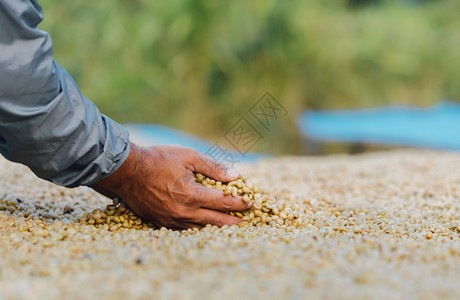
(49, 126)
(45, 122)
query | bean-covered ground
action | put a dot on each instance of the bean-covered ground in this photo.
(381, 225)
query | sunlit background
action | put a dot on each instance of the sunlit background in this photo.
(198, 66)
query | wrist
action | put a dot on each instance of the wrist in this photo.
(119, 182)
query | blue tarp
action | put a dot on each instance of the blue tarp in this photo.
(437, 126)
(154, 134)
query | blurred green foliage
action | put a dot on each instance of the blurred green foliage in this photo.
(199, 65)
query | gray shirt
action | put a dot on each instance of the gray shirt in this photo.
(45, 122)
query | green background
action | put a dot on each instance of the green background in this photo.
(199, 65)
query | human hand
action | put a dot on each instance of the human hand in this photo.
(158, 184)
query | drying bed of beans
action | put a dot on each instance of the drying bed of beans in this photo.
(379, 225)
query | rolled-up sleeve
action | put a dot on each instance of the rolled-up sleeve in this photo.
(45, 121)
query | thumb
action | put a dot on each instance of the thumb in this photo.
(218, 171)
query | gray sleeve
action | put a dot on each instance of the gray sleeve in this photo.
(45, 122)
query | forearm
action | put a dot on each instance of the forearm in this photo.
(45, 122)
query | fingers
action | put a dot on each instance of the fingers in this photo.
(209, 167)
(205, 216)
(215, 199)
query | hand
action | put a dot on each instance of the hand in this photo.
(158, 184)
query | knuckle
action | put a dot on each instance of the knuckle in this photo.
(191, 195)
(203, 162)
(179, 213)
(201, 193)
(221, 169)
(205, 158)
(214, 220)
(228, 203)
(220, 166)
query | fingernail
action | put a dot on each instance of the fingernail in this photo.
(249, 204)
(233, 173)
